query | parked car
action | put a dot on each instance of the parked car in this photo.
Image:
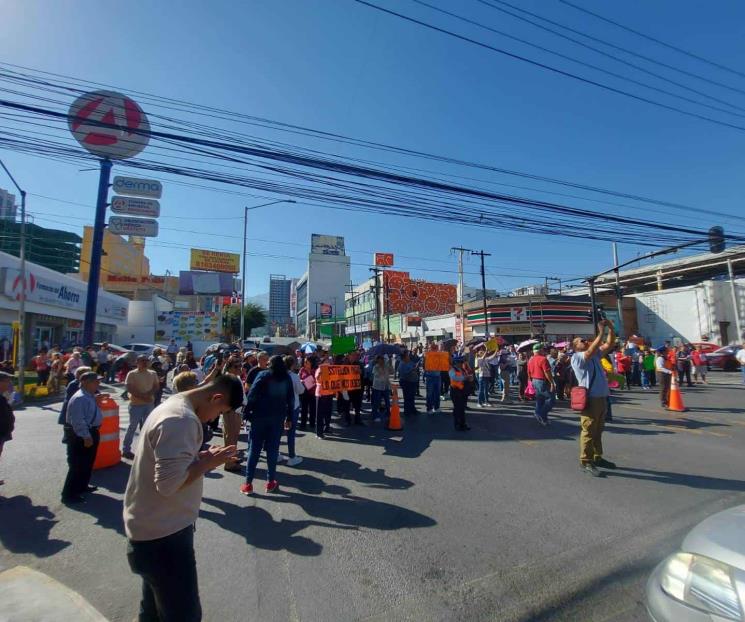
(143, 348)
(723, 358)
(706, 346)
(703, 581)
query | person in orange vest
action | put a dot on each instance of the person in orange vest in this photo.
(458, 393)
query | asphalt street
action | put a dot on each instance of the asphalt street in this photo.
(498, 523)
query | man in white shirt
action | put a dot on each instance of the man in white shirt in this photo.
(664, 376)
(163, 495)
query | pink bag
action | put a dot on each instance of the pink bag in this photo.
(530, 389)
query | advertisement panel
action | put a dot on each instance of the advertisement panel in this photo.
(187, 325)
(326, 244)
(205, 283)
(383, 259)
(406, 295)
(214, 261)
(326, 309)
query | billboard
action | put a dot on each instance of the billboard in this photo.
(214, 261)
(187, 325)
(326, 309)
(383, 259)
(192, 283)
(326, 244)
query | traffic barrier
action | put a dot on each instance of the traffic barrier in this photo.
(394, 421)
(676, 398)
(108, 453)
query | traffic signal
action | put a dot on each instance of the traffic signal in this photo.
(716, 239)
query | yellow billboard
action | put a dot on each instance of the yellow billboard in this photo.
(215, 261)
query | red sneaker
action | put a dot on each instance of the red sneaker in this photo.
(271, 486)
(247, 489)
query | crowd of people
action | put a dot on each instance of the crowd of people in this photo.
(274, 397)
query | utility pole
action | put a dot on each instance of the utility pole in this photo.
(243, 267)
(20, 346)
(733, 287)
(619, 306)
(350, 285)
(376, 289)
(482, 254)
(460, 250)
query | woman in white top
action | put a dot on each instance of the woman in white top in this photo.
(483, 372)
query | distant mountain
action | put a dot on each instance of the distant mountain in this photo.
(261, 299)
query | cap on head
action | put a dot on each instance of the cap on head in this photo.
(537, 347)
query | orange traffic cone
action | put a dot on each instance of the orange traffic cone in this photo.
(676, 399)
(394, 422)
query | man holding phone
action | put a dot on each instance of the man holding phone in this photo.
(591, 376)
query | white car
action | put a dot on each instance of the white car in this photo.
(143, 348)
(705, 580)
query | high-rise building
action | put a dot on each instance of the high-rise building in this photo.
(279, 300)
(320, 291)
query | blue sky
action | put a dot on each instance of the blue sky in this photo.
(338, 66)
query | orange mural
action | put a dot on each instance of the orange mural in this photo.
(406, 295)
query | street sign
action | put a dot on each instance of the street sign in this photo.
(136, 187)
(125, 225)
(134, 206)
(109, 124)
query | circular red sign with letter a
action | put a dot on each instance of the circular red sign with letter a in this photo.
(109, 125)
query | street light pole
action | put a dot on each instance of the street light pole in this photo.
(243, 268)
(22, 297)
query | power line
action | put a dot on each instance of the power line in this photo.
(490, 3)
(655, 40)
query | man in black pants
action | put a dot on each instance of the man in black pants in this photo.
(355, 395)
(82, 421)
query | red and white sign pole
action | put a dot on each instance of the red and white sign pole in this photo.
(111, 126)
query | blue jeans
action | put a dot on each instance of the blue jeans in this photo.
(291, 433)
(433, 390)
(377, 395)
(484, 389)
(266, 433)
(743, 373)
(544, 399)
(137, 416)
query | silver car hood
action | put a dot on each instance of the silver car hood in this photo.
(720, 537)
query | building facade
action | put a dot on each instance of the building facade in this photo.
(52, 248)
(55, 307)
(548, 318)
(402, 302)
(321, 290)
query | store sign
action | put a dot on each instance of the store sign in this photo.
(512, 329)
(214, 261)
(135, 206)
(125, 225)
(45, 291)
(192, 283)
(384, 259)
(136, 187)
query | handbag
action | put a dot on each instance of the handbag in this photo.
(578, 395)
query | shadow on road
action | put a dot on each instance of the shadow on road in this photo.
(260, 529)
(680, 479)
(25, 527)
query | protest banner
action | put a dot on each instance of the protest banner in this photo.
(335, 378)
(436, 361)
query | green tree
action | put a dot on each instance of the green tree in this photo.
(253, 317)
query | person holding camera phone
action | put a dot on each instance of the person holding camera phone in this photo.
(592, 381)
